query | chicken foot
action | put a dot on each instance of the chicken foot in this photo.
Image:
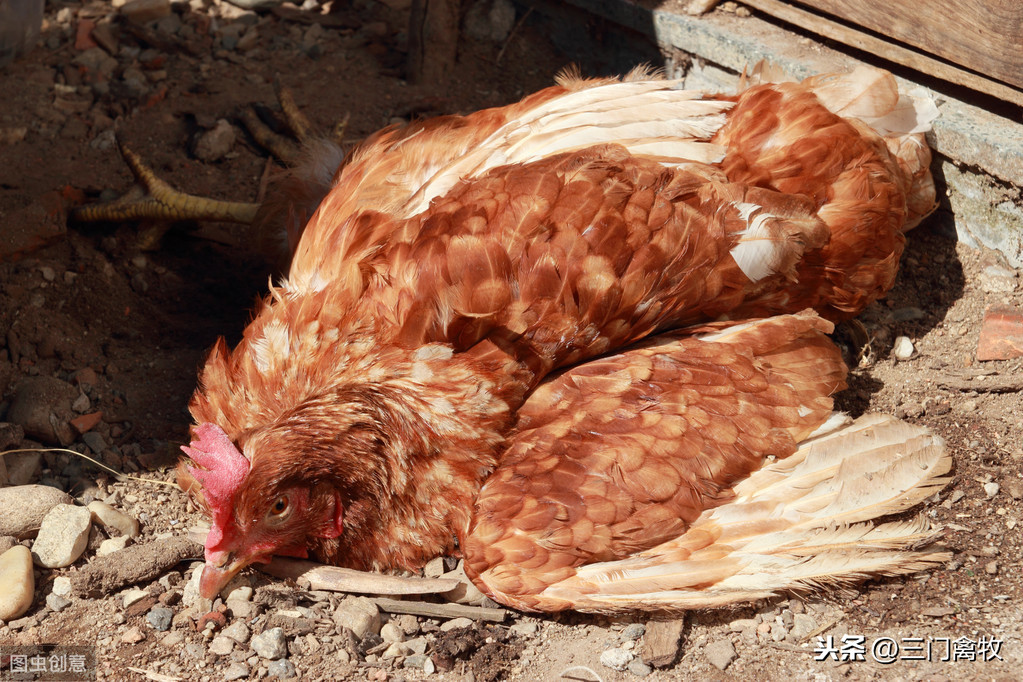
(152, 198)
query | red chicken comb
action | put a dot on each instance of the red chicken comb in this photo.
(224, 467)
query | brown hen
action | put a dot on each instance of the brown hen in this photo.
(477, 347)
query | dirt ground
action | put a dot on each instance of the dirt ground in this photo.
(125, 316)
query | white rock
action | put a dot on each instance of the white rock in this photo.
(108, 517)
(358, 614)
(238, 631)
(903, 349)
(526, 628)
(270, 644)
(456, 624)
(392, 633)
(132, 595)
(616, 659)
(24, 507)
(720, 653)
(221, 645)
(238, 588)
(190, 594)
(63, 536)
(111, 545)
(17, 583)
(61, 586)
(434, 568)
(991, 489)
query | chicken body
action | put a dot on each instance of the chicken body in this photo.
(455, 266)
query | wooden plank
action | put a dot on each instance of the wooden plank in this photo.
(430, 610)
(885, 50)
(983, 35)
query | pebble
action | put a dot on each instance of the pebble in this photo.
(95, 441)
(802, 625)
(172, 639)
(616, 658)
(236, 671)
(238, 631)
(456, 624)
(632, 631)
(281, 670)
(61, 585)
(25, 506)
(63, 536)
(133, 595)
(213, 145)
(991, 489)
(903, 349)
(1015, 488)
(17, 583)
(160, 618)
(23, 468)
(6, 542)
(221, 645)
(421, 662)
(56, 602)
(42, 406)
(111, 545)
(132, 636)
(416, 645)
(108, 517)
(527, 628)
(639, 668)
(143, 11)
(190, 595)
(271, 644)
(991, 568)
(434, 568)
(358, 614)
(390, 632)
(742, 624)
(720, 653)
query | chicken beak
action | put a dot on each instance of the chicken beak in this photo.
(219, 569)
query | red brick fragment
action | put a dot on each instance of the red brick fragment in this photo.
(1001, 334)
(83, 34)
(86, 422)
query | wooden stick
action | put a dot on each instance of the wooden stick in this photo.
(422, 608)
(337, 579)
(992, 385)
(884, 49)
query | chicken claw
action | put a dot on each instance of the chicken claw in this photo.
(150, 197)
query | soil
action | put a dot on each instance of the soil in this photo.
(125, 313)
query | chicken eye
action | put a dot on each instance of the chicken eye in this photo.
(280, 506)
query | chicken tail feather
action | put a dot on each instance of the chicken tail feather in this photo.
(800, 523)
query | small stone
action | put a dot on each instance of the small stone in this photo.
(408, 623)
(392, 633)
(527, 628)
(17, 582)
(456, 624)
(466, 592)
(271, 644)
(416, 661)
(991, 489)
(662, 641)
(160, 618)
(393, 651)
(190, 595)
(61, 585)
(903, 349)
(25, 506)
(133, 595)
(281, 670)
(172, 640)
(42, 406)
(994, 279)
(86, 422)
(221, 645)
(143, 11)
(81, 405)
(242, 609)
(991, 568)
(108, 517)
(6, 542)
(434, 568)
(616, 658)
(56, 602)
(111, 545)
(1014, 487)
(63, 536)
(633, 631)
(639, 668)
(720, 653)
(236, 671)
(778, 632)
(358, 614)
(416, 645)
(802, 626)
(132, 636)
(213, 145)
(238, 631)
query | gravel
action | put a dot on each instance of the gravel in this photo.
(270, 644)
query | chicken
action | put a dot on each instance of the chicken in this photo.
(486, 344)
